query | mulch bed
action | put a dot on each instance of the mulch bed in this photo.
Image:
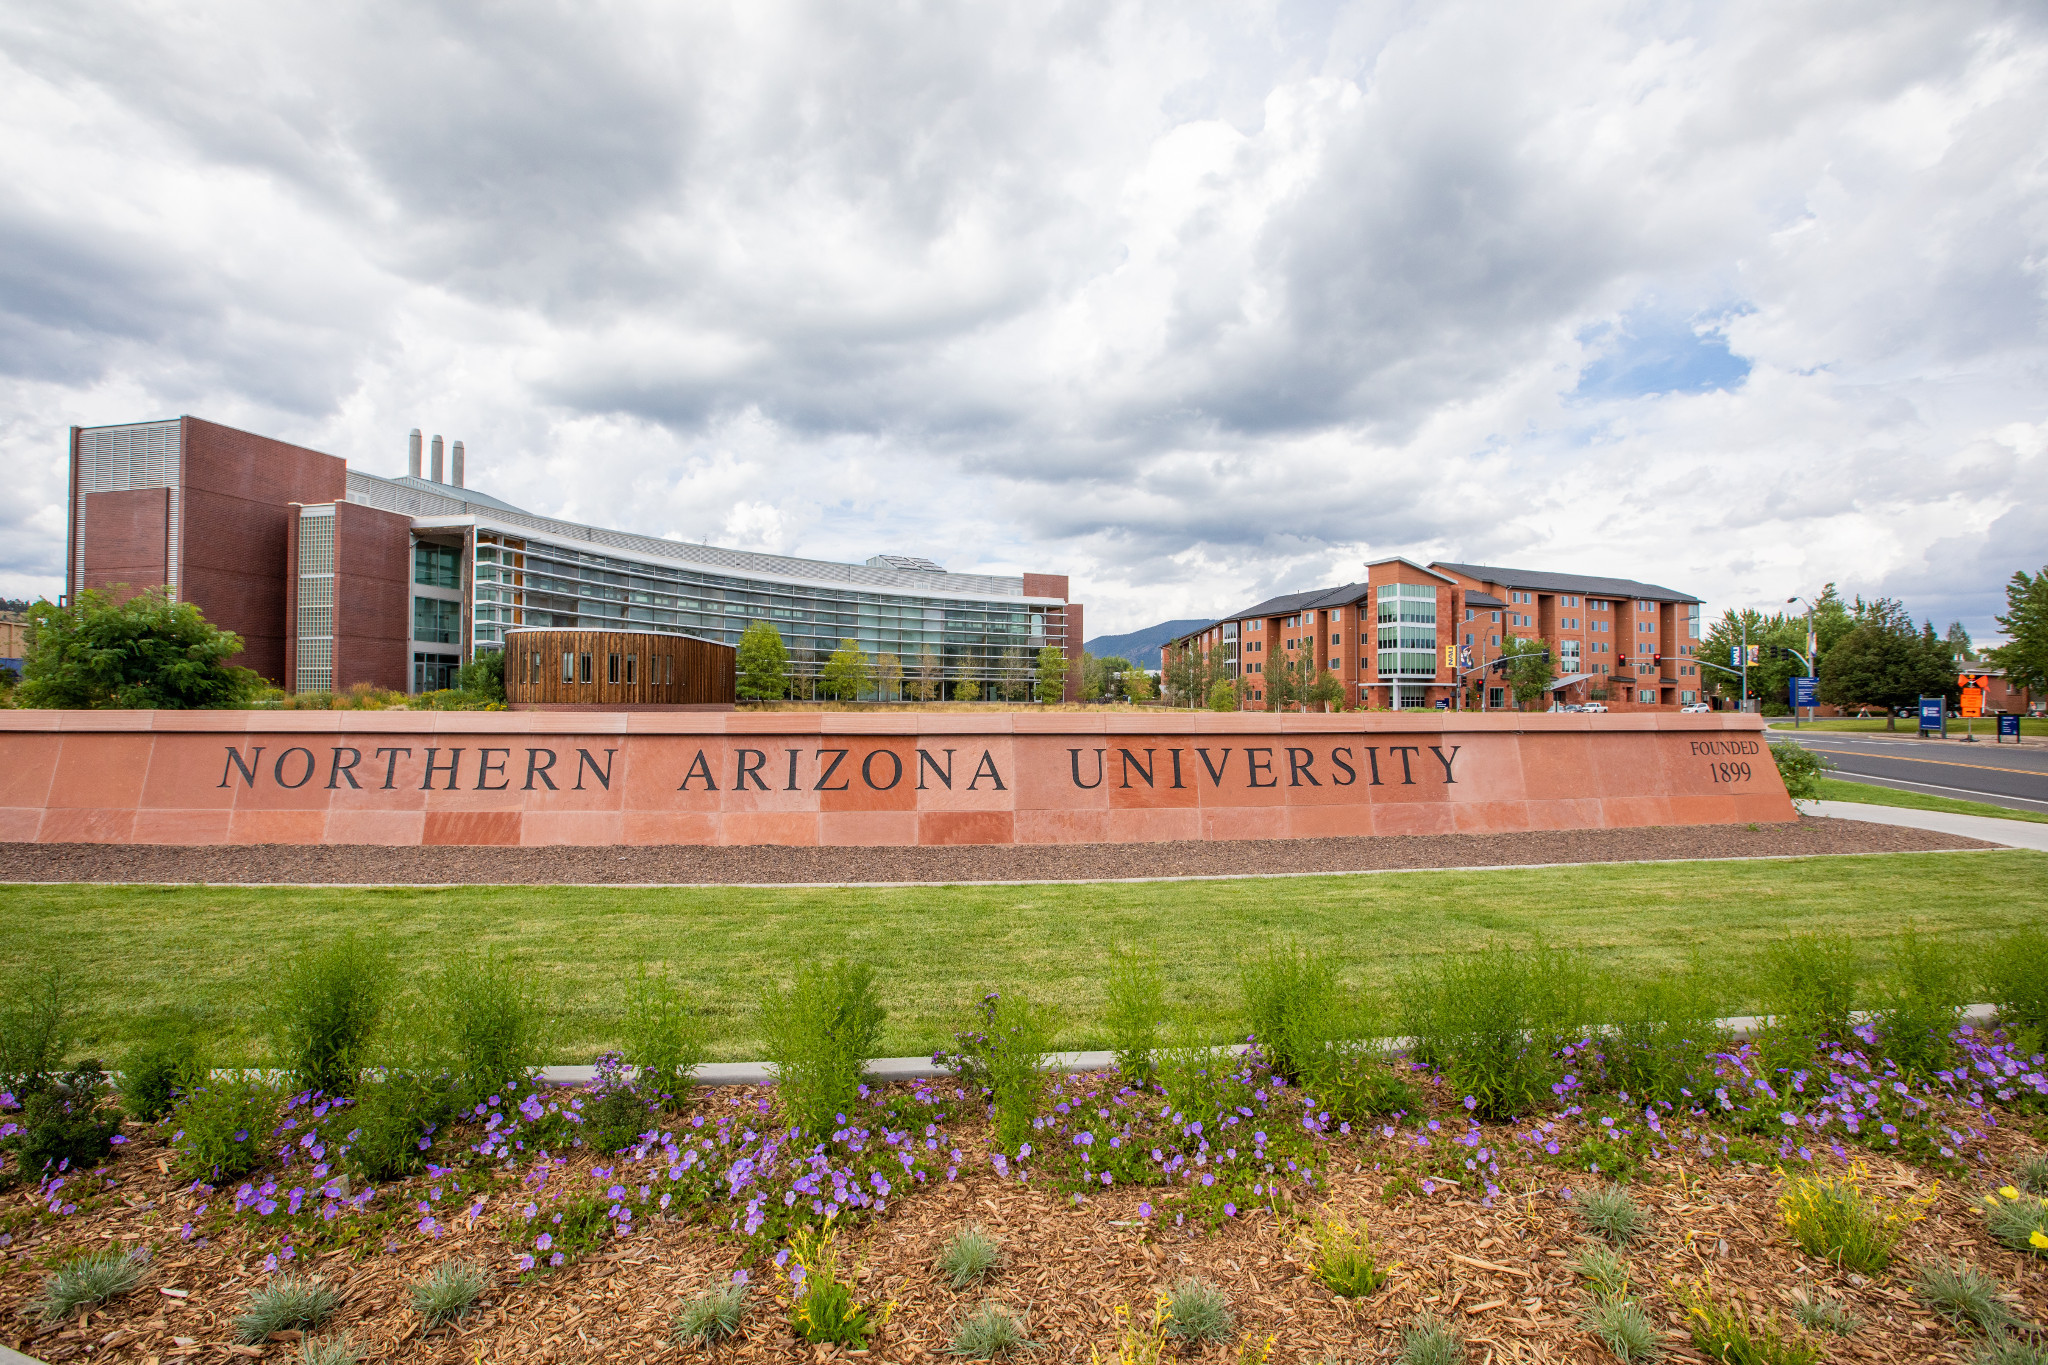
(1499, 1268)
(678, 864)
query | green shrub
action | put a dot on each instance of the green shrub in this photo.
(169, 1060)
(820, 1033)
(222, 1126)
(2016, 977)
(1493, 1021)
(1605, 1271)
(1299, 1013)
(1613, 1213)
(36, 1029)
(968, 1255)
(495, 1023)
(1663, 1033)
(1365, 1087)
(450, 1291)
(325, 1004)
(1823, 1313)
(1345, 1263)
(2018, 1220)
(1198, 1312)
(666, 1037)
(711, 1316)
(1623, 1328)
(89, 1278)
(990, 1332)
(1005, 1053)
(390, 1116)
(287, 1303)
(1830, 1216)
(1963, 1294)
(1430, 1341)
(824, 1307)
(1136, 1006)
(1734, 1332)
(63, 1121)
(1801, 768)
(1198, 1077)
(1809, 983)
(1920, 1003)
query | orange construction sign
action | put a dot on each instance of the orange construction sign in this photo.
(1980, 681)
(1973, 702)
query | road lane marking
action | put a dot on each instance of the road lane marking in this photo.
(1943, 762)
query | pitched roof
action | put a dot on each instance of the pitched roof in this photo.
(1586, 584)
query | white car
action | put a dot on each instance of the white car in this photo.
(1599, 706)
(1694, 708)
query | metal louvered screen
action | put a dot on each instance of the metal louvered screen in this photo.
(115, 459)
(316, 600)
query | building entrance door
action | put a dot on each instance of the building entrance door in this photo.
(434, 672)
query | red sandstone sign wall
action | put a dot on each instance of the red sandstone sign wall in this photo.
(355, 777)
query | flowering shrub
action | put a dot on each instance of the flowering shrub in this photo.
(822, 1303)
(2018, 1220)
(1004, 1054)
(1219, 1146)
(1830, 1216)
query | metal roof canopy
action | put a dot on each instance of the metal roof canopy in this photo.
(1580, 584)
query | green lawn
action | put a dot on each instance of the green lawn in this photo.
(1869, 794)
(139, 951)
(2031, 727)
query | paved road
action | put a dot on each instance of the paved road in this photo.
(2014, 775)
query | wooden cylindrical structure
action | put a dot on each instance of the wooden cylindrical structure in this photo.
(616, 667)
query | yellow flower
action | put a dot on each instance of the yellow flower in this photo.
(2038, 1238)
(2009, 1192)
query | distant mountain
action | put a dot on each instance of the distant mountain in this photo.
(1141, 647)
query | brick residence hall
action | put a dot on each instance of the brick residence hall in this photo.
(1413, 636)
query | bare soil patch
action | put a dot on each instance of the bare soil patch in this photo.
(678, 864)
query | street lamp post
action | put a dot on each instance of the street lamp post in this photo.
(1812, 653)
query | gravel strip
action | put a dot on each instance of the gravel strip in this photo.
(689, 864)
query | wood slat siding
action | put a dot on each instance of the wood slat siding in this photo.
(703, 670)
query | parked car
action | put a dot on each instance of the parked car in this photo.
(1600, 706)
(1694, 708)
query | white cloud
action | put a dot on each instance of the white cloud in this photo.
(1194, 304)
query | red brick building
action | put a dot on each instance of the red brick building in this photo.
(333, 576)
(1413, 635)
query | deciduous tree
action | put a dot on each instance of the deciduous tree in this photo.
(762, 663)
(147, 652)
(1052, 675)
(846, 674)
(1527, 668)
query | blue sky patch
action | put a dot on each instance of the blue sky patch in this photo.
(1650, 352)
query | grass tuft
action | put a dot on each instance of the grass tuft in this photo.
(1733, 1331)
(450, 1291)
(1830, 1216)
(1823, 1313)
(1623, 1328)
(1345, 1263)
(968, 1255)
(287, 1303)
(1606, 1272)
(1613, 1213)
(990, 1332)
(2031, 1176)
(91, 1278)
(332, 1351)
(1197, 1311)
(1431, 1341)
(2010, 1350)
(1963, 1294)
(711, 1316)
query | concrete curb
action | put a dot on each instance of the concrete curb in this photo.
(885, 1069)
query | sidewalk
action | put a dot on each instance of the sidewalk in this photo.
(2011, 833)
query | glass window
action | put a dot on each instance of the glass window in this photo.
(568, 667)
(436, 621)
(583, 669)
(632, 668)
(612, 668)
(436, 566)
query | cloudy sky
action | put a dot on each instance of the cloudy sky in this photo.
(1194, 303)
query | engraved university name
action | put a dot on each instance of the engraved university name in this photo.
(826, 769)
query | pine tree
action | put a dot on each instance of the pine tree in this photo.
(2024, 656)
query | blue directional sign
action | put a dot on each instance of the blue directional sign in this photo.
(1931, 713)
(2008, 725)
(1735, 656)
(1805, 692)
